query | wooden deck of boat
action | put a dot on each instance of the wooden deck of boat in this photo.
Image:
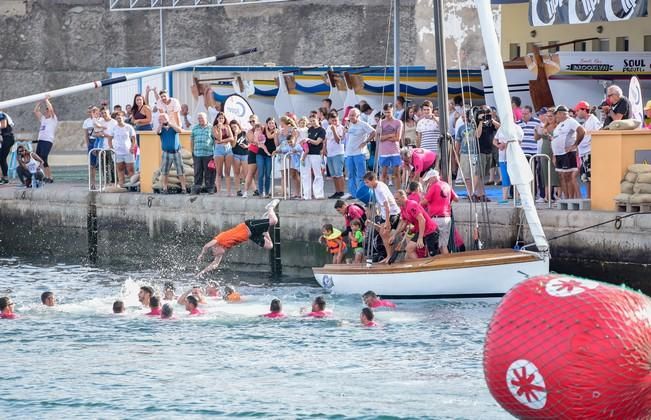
(467, 259)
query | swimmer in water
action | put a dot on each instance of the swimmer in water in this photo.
(118, 307)
(230, 295)
(48, 299)
(212, 289)
(196, 293)
(275, 310)
(191, 304)
(167, 312)
(318, 309)
(144, 295)
(366, 318)
(168, 291)
(154, 305)
(373, 301)
(256, 230)
(7, 308)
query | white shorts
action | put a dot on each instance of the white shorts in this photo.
(444, 224)
(128, 158)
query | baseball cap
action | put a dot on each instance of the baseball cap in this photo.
(582, 105)
(542, 110)
(647, 106)
(603, 104)
(430, 174)
(561, 108)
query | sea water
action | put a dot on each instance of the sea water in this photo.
(77, 359)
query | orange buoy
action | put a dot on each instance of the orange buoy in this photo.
(565, 347)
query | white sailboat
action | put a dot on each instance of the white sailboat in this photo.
(484, 273)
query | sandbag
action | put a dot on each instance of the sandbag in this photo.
(135, 178)
(639, 168)
(640, 188)
(630, 176)
(641, 199)
(627, 187)
(623, 198)
(185, 154)
(624, 125)
(644, 178)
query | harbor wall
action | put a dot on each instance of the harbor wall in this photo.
(67, 222)
(50, 44)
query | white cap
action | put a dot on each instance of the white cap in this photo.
(430, 174)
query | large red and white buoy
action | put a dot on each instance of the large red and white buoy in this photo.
(565, 347)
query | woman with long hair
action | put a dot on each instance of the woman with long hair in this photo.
(409, 134)
(223, 153)
(263, 159)
(286, 132)
(240, 155)
(141, 114)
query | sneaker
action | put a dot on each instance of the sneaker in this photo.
(540, 200)
(256, 193)
(346, 197)
(245, 194)
(164, 192)
(239, 193)
(273, 203)
(334, 196)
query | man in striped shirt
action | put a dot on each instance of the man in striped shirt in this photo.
(428, 130)
(529, 123)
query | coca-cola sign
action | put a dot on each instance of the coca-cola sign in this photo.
(554, 12)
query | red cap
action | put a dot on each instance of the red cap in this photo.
(582, 105)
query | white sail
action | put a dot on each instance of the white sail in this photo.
(517, 165)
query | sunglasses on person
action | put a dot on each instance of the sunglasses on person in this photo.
(21, 150)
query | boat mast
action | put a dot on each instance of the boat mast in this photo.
(442, 86)
(517, 165)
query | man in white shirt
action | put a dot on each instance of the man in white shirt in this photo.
(335, 154)
(122, 139)
(168, 105)
(186, 118)
(591, 124)
(359, 134)
(46, 132)
(566, 138)
(388, 209)
(103, 126)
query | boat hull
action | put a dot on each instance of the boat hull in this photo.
(478, 274)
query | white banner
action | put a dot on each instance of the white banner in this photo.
(238, 108)
(634, 63)
(555, 12)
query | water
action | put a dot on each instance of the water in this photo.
(79, 360)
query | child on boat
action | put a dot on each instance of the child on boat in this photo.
(357, 240)
(334, 242)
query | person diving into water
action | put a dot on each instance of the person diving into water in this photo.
(256, 230)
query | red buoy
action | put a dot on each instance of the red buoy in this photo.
(565, 347)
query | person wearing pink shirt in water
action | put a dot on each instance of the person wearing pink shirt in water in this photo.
(318, 309)
(418, 161)
(366, 318)
(191, 303)
(154, 306)
(167, 312)
(373, 301)
(275, 310)
(7, 309)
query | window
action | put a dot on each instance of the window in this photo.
(514, 51)
(647, 42)
(601, 44)
(530, 46)
(580, 46)
(553, 50)
(622, 43)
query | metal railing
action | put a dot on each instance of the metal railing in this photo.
(102, 174)
(532, 162)
(285, 176)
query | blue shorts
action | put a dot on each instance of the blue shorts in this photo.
(223, 150)
(94, 144)
(389, 161)
(336, 165)
(506, 181)
(241, 158)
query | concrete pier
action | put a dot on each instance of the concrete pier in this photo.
(66, 221)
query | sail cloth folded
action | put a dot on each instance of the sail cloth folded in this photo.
(517, 166)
